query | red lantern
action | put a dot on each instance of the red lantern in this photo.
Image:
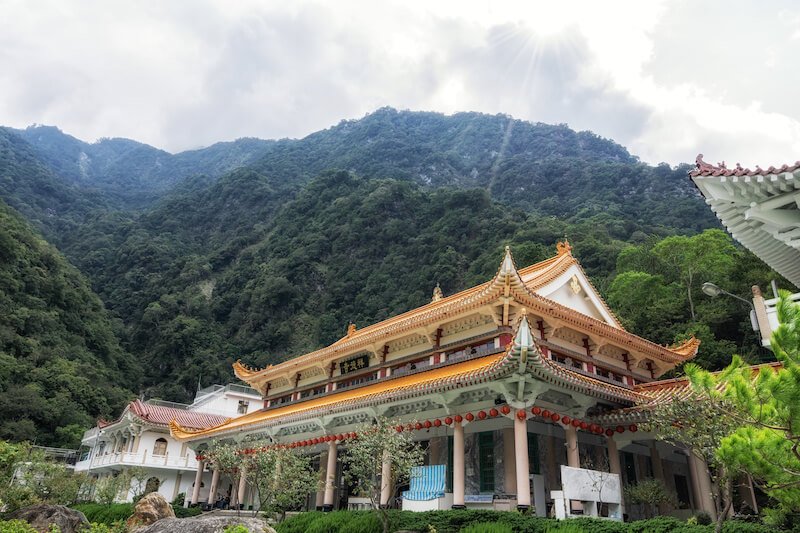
(593, 428)
(521, 414)
(437, 422)
(293, 445)
(565, 420)
(546, 413)
(609, 432)
(633, 428)
(493, 412)
(459, 418)
(505, 409)
(575, 422)
(620, 429)
(584, 425)
(481, 415)
(536, 411)
(353, 434)
(470, 417)
(417, 426)
(316, 440)
(427, 424)
(399, 429)
(555, 417)
(448, 420)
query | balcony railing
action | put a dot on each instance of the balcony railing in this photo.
(138, 459)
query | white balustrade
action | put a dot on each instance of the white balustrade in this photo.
(138, 459)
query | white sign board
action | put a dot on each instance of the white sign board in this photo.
(590, 485)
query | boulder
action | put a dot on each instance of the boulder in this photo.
(206, 524)
(42, 516)
(149, 510)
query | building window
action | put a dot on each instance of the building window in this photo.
(160, 447)
(629, 467)
(486, 461)
(533, 453)
(243, 405)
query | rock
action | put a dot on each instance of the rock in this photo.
(149, 510)
(41, 516)
(206, 524)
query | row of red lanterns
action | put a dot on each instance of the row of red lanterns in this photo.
(522, 415)
(469, 417)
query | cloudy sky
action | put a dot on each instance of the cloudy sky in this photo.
(667, 79)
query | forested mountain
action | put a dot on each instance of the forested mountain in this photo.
(276, 255)
(61, 365)
(131, 174)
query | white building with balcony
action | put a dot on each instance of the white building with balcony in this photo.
(140, 437)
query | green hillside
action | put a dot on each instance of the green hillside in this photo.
(61, 365)
(276, 255)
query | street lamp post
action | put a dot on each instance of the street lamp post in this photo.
(709, 289)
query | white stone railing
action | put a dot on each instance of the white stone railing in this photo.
(139, 459)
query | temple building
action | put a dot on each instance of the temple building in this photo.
(140, 438)
(526, 388)
(761, 209)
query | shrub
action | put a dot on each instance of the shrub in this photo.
(703, 518)
(106, 514)
(15, 526)
(238, 528)
(298, 523)
(487, 527)
(186, 512)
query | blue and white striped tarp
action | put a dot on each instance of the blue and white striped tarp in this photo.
(427, 483)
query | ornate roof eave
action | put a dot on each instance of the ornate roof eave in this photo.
(438, 380)
(548, 307)
(506, 277)
(661, 392)
(506, 282)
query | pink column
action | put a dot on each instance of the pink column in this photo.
(330, 477)
(523, 469)
(458, 466)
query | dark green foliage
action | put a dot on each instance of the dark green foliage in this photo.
(257, 250)
(105, 514)
(458, 521)
(61, 365)
(186, 512)
(658, 288)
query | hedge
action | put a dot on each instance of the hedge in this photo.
(459, 521)
(115, 512)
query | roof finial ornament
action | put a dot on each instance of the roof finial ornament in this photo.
(437, 293)
(351, 329)
(702, 165)
(564, 247)
(507, 266)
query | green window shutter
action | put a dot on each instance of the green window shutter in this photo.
(449, 473)
(533, 453)
(486, 461)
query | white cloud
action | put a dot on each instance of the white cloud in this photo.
(667, 79)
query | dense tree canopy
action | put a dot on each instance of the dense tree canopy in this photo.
(60, 362)
(257, 249)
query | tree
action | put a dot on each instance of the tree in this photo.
(365, 456)
(650, 493)
(282, 477)
(28, 477)
(693, 260)
(699, 426)
(765, 406)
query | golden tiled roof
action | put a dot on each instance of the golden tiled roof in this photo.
(439, 379)
(507, 280)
